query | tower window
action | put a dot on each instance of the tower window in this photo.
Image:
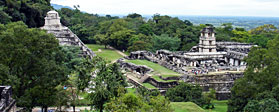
(210, 42)
(210, 50)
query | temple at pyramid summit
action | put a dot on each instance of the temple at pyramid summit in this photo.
(64, 34)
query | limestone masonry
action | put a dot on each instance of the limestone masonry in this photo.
(210, 64)
(7, 103)
(64, 34)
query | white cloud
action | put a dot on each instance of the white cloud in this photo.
(178, 7)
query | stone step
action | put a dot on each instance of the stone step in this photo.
(144, 78)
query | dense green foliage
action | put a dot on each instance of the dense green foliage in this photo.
(258, 36)
(107, 83)
(209, 97)
(37, 68)
(165, 42)
(31, 12)
(130, 102)
(265, 105)
(84, 25)
(186, 93)
(79, 78)
(34, 64)
(142, 100)
(260, 81)
(132, 31)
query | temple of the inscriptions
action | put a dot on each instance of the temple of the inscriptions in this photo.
(65, 36)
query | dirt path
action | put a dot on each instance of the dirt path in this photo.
(119, 52)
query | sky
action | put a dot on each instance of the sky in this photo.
(262, 8)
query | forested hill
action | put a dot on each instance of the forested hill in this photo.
(57, 7)
(246, 22)
(132, 32)
(31, 12)
(237, 21)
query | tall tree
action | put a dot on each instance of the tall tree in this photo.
(184, 93)
(106, 83)
(224, 33)
(80, 74)
(165, 42)
(34, 61)
(261, 76)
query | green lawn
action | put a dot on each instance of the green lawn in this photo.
(95, 47)
(220, 106)
(147, 85)
(131, 90)
(108, 54)
(186, 107)
(158, 69)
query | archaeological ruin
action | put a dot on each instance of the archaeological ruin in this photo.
(7, 103)
(64, 34)
(210, 64)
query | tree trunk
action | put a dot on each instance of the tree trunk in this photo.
(74, 107)
(45, 110)
(60, 108)
(101, 108)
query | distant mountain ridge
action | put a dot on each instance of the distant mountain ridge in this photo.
(57, 7)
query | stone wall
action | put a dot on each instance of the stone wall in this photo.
(222, 83)
(141, 70)
(7, 103)
(162, 85)
(235, 50)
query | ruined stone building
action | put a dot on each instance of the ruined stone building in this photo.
(208, 53)
(221, 53)
(7, 103)
(64, 34)
(223, 60)
(207, 40)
